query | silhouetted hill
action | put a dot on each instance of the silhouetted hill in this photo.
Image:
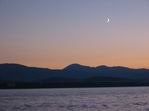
(77, 67)
(74, 75)
(17, 72)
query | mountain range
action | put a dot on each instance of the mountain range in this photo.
(74, 75)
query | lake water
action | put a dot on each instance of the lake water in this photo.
(77, 99)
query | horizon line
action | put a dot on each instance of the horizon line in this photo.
(75, 64)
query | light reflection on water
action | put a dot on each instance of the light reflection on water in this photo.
(76, 99)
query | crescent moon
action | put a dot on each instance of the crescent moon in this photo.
(108, 20)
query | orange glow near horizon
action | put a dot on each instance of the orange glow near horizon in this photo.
(54, 34)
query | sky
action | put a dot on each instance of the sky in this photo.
(56, 33)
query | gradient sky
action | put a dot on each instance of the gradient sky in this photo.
(55, 33)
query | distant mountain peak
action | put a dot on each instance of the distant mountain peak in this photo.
(13, 65)
(121, 67)
(76, 66)
(102, 67)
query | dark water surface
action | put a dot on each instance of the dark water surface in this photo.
(76, 99)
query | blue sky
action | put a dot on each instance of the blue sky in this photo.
(54, 33)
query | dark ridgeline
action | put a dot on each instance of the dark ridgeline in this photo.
(74, 75)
